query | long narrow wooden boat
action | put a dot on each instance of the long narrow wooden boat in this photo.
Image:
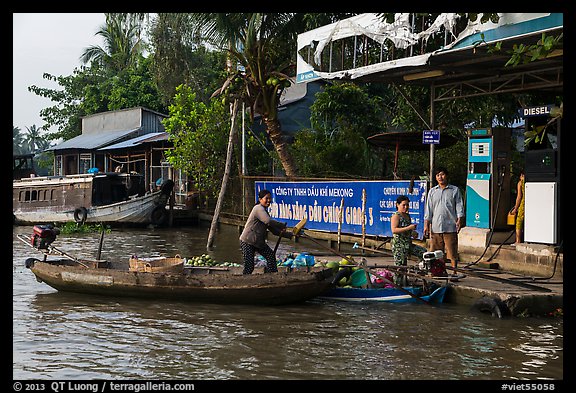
(202, 284)
(92, 198)
(391, 295)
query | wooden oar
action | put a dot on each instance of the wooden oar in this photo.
(300, 233)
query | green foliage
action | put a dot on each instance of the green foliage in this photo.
(342, 116)
(262, 45)
(199, 133)
(135, 86)
(522, 54)
(180, 58)
(347, 106)
(72, 227)
(346, 154)
(66, 114)
(18, 146)
(91, 90)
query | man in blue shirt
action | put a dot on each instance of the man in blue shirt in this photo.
(443, 217)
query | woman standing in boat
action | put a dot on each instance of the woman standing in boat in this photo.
(402, 233)
(253, 237)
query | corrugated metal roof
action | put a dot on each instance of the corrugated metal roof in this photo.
(153, 136)
(93, 141)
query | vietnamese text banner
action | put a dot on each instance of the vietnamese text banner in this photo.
(319, 203)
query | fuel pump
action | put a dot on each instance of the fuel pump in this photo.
(542, 219)
(488, 178)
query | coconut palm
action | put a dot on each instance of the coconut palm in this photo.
(17, 141)
(34, 140)
(123, 44)
(257, 44)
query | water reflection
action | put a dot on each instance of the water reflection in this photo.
(72, 336)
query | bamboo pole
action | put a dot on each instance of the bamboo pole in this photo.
(340, 217)
(225, 177)
(363, 217)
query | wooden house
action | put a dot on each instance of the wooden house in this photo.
(127, 140)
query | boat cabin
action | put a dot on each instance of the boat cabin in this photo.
(23, 166)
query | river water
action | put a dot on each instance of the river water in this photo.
(75, 337)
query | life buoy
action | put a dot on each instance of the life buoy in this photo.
(493, 306)
(158, 215)
(80, 215)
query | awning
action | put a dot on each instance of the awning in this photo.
(94, 140)
(150, 137)
(466, 67)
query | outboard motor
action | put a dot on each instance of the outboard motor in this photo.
(43, 236)
(433, 261)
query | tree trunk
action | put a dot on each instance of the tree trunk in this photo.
(225, 177)
(275, 134)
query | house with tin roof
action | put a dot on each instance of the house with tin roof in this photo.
(126, 140)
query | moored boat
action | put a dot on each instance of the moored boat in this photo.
(391, 295)
(377, 285)
(114, 198)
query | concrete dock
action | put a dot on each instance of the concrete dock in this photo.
(526, 278)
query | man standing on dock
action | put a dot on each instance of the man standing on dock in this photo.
(443, 217)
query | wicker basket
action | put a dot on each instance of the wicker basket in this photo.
(156, 264)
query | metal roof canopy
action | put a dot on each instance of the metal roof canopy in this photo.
(472, 72)
(94, 140)
(150, 137)
(469, 69)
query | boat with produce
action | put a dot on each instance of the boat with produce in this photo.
(108, 197)
(172, 277)
(356, 283)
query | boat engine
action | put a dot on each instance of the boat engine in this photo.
(433, 261)
(43, 236)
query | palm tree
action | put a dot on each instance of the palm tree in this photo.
(123, 44)
(258, 43)
(17, 141)
(34, 140)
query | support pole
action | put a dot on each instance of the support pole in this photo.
(363, 217)
(229, 153)
(432, 98)
(340, 217)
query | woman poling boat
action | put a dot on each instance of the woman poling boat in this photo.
(170, 278)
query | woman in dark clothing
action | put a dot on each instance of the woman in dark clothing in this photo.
(253, 237)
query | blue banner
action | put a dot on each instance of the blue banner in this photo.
(319, 203)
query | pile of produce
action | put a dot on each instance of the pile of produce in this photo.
(207, 260)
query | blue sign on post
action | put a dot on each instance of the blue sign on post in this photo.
(319, 202)
(431, 137)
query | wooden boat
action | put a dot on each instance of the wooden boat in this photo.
(197, 284)
(92, 198)
(391, 295)
(358, 288)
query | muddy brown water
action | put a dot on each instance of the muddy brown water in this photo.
(68, 336)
